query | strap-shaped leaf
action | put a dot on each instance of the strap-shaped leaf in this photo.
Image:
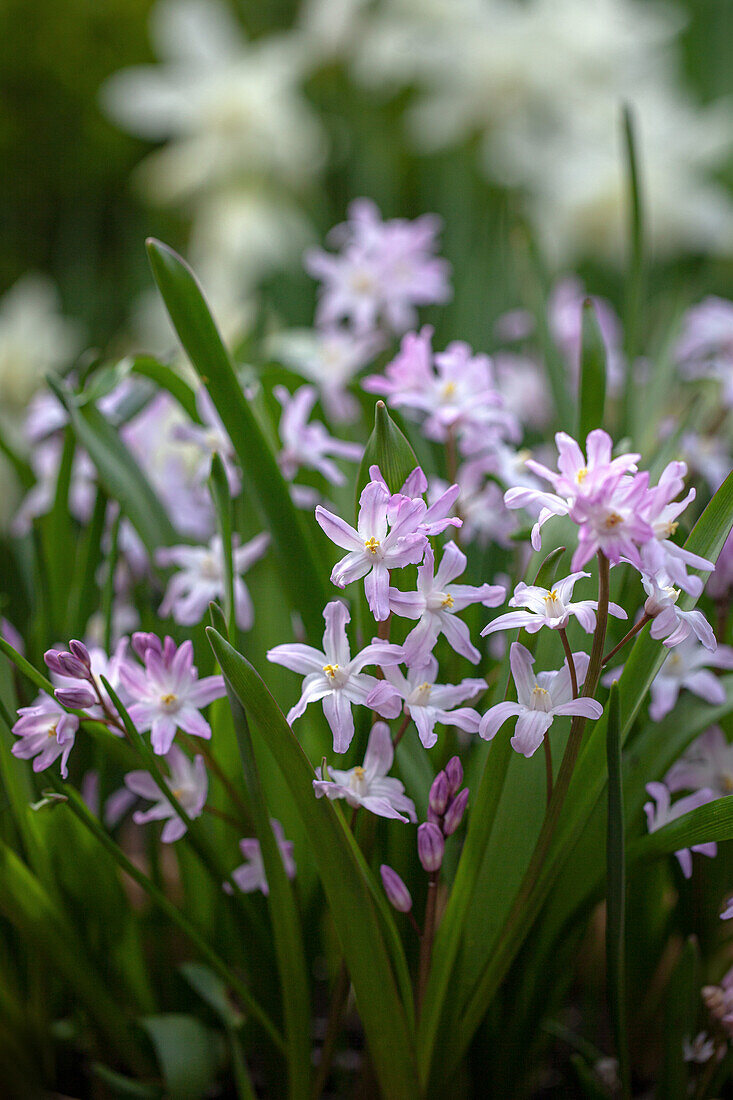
(616, 894)
(302, 578)
(592, 381)
(118, 471)
(388, 448)
(352, 907)
(713, 821)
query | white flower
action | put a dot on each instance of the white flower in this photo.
(368, 784)
(201, 579)
(540, 699)
(35, 339)
(660, 812)
(189, 785)
(550, 607)
(250, 875)
(708, 762)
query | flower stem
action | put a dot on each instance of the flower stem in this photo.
(213, 765)
(333, 1027)
(571, 663)
(224, 817)
(401, 731)
(426, 941)
(627, 637)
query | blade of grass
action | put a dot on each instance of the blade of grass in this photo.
(616, 895)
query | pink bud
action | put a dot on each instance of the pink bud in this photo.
(438, 797)
(79, 697)
(81, 652)
(395, 889)
(72, 666)
(430, 846)
(51, 657)
(142, 641)
(454, 772)
(454, 813)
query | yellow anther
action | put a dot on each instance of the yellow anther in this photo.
(177, 793)
(425, 687)
(371, 545)
(672, 527)
(330, 670)
(726, 783)
(540, 691)
(448, 601)
(449, 389)
(550, 595)
(168, 700)
(581, 475)
(359, 772)
(613, 519)
(52, 731)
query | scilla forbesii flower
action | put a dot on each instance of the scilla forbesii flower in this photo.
(660, 812)
(189, 785)
(45, 732)
(436, 604)
(671, 623)
(549, 607)
(335, 677)
(167, 693)
(385, 538)
(428, 704)
(308, 444)
(689, 666)
(250, 875)
(368, 784)
(708, 763)
(201, 579)
(540, 698)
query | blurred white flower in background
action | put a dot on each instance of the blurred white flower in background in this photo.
(35, 339)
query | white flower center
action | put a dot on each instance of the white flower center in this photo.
(336, 675)
(169, 701)
(540, 699)
(554, 607)
(421, 694)
(357, 781)
(440, 601)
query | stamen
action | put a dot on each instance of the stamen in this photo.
(372, 545)
(448, 601)
(331, 670)
(581, 475)
(613, 519)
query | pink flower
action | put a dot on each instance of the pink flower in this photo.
(671, 623)
(385, 538)
(428, 703)
(705, 348)
(332, 675)
(661, 510)
(309, 445)
(437, 517)
(167, 693)
(565, 318)
(46, 732)
(688, 666)
(329, 358)
(189, 784)
(436, 604)
(540, 699)
(383, 271)
(250, 875)
(368, 784)
(550, 607)
(660, 812)
(707, 763)
(201, 579)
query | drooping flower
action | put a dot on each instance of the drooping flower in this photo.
(661, 511)
(383, 271)
(707, 763)
(167, 693)
(332, 675)
(368, 784)
(661, 811)
(540, 699)
(188, 783)
(201, 579)
(436, 604)
(689, 666)
(671, 623)
(45, 732)
(250, 875)
(428, 703)
(309, 444)
(383, 539)
(550, 607)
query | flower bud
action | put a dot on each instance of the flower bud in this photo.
(81, 652)
(80, 697)
(430, 846)
(454, 772)
(51, 657)
(438, 797)
(142, 641)
(72, 666)
(395, 889)
(454, 813)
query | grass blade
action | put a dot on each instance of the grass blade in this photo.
(616, 895)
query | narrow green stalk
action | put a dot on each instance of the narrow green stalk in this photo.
(548, 766)
(616, 895)
(426, 942)
(570, 660)
(77, 806)
(627, 637)
(333, 1027)
(635, 283)
(108, 594)
(219, 489)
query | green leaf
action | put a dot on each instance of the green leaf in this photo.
(284, 915)
(344, 880)
(681, 1011)
(219, 489)
(213, 991)
(713, 821)
(124, 1088)
(616, 894)
(592, 380)
(302, 577)
(167, 379)
(189, 1054)
(118, 471)
(389, 449)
